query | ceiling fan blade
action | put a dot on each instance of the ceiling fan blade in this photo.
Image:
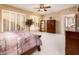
(45, 9)
(48, 7)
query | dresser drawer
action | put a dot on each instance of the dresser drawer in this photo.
(73, 35)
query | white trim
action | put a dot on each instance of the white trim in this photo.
(2, 21)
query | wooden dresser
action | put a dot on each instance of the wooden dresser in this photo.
(51, 26)
(48, 26)
(72, 43)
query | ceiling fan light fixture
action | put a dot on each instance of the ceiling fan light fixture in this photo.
(41, 10)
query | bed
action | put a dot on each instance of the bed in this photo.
(18, 42)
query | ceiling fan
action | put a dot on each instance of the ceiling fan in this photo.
(42, 7)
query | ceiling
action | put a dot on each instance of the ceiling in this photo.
(54, 7)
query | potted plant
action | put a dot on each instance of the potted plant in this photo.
(29, 22)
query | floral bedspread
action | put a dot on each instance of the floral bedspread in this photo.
(18, 42)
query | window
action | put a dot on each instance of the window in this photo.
(35, 26)
(12, 21)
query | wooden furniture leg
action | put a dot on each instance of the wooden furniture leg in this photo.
(38, 47)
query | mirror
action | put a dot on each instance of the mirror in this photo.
(70, 23)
